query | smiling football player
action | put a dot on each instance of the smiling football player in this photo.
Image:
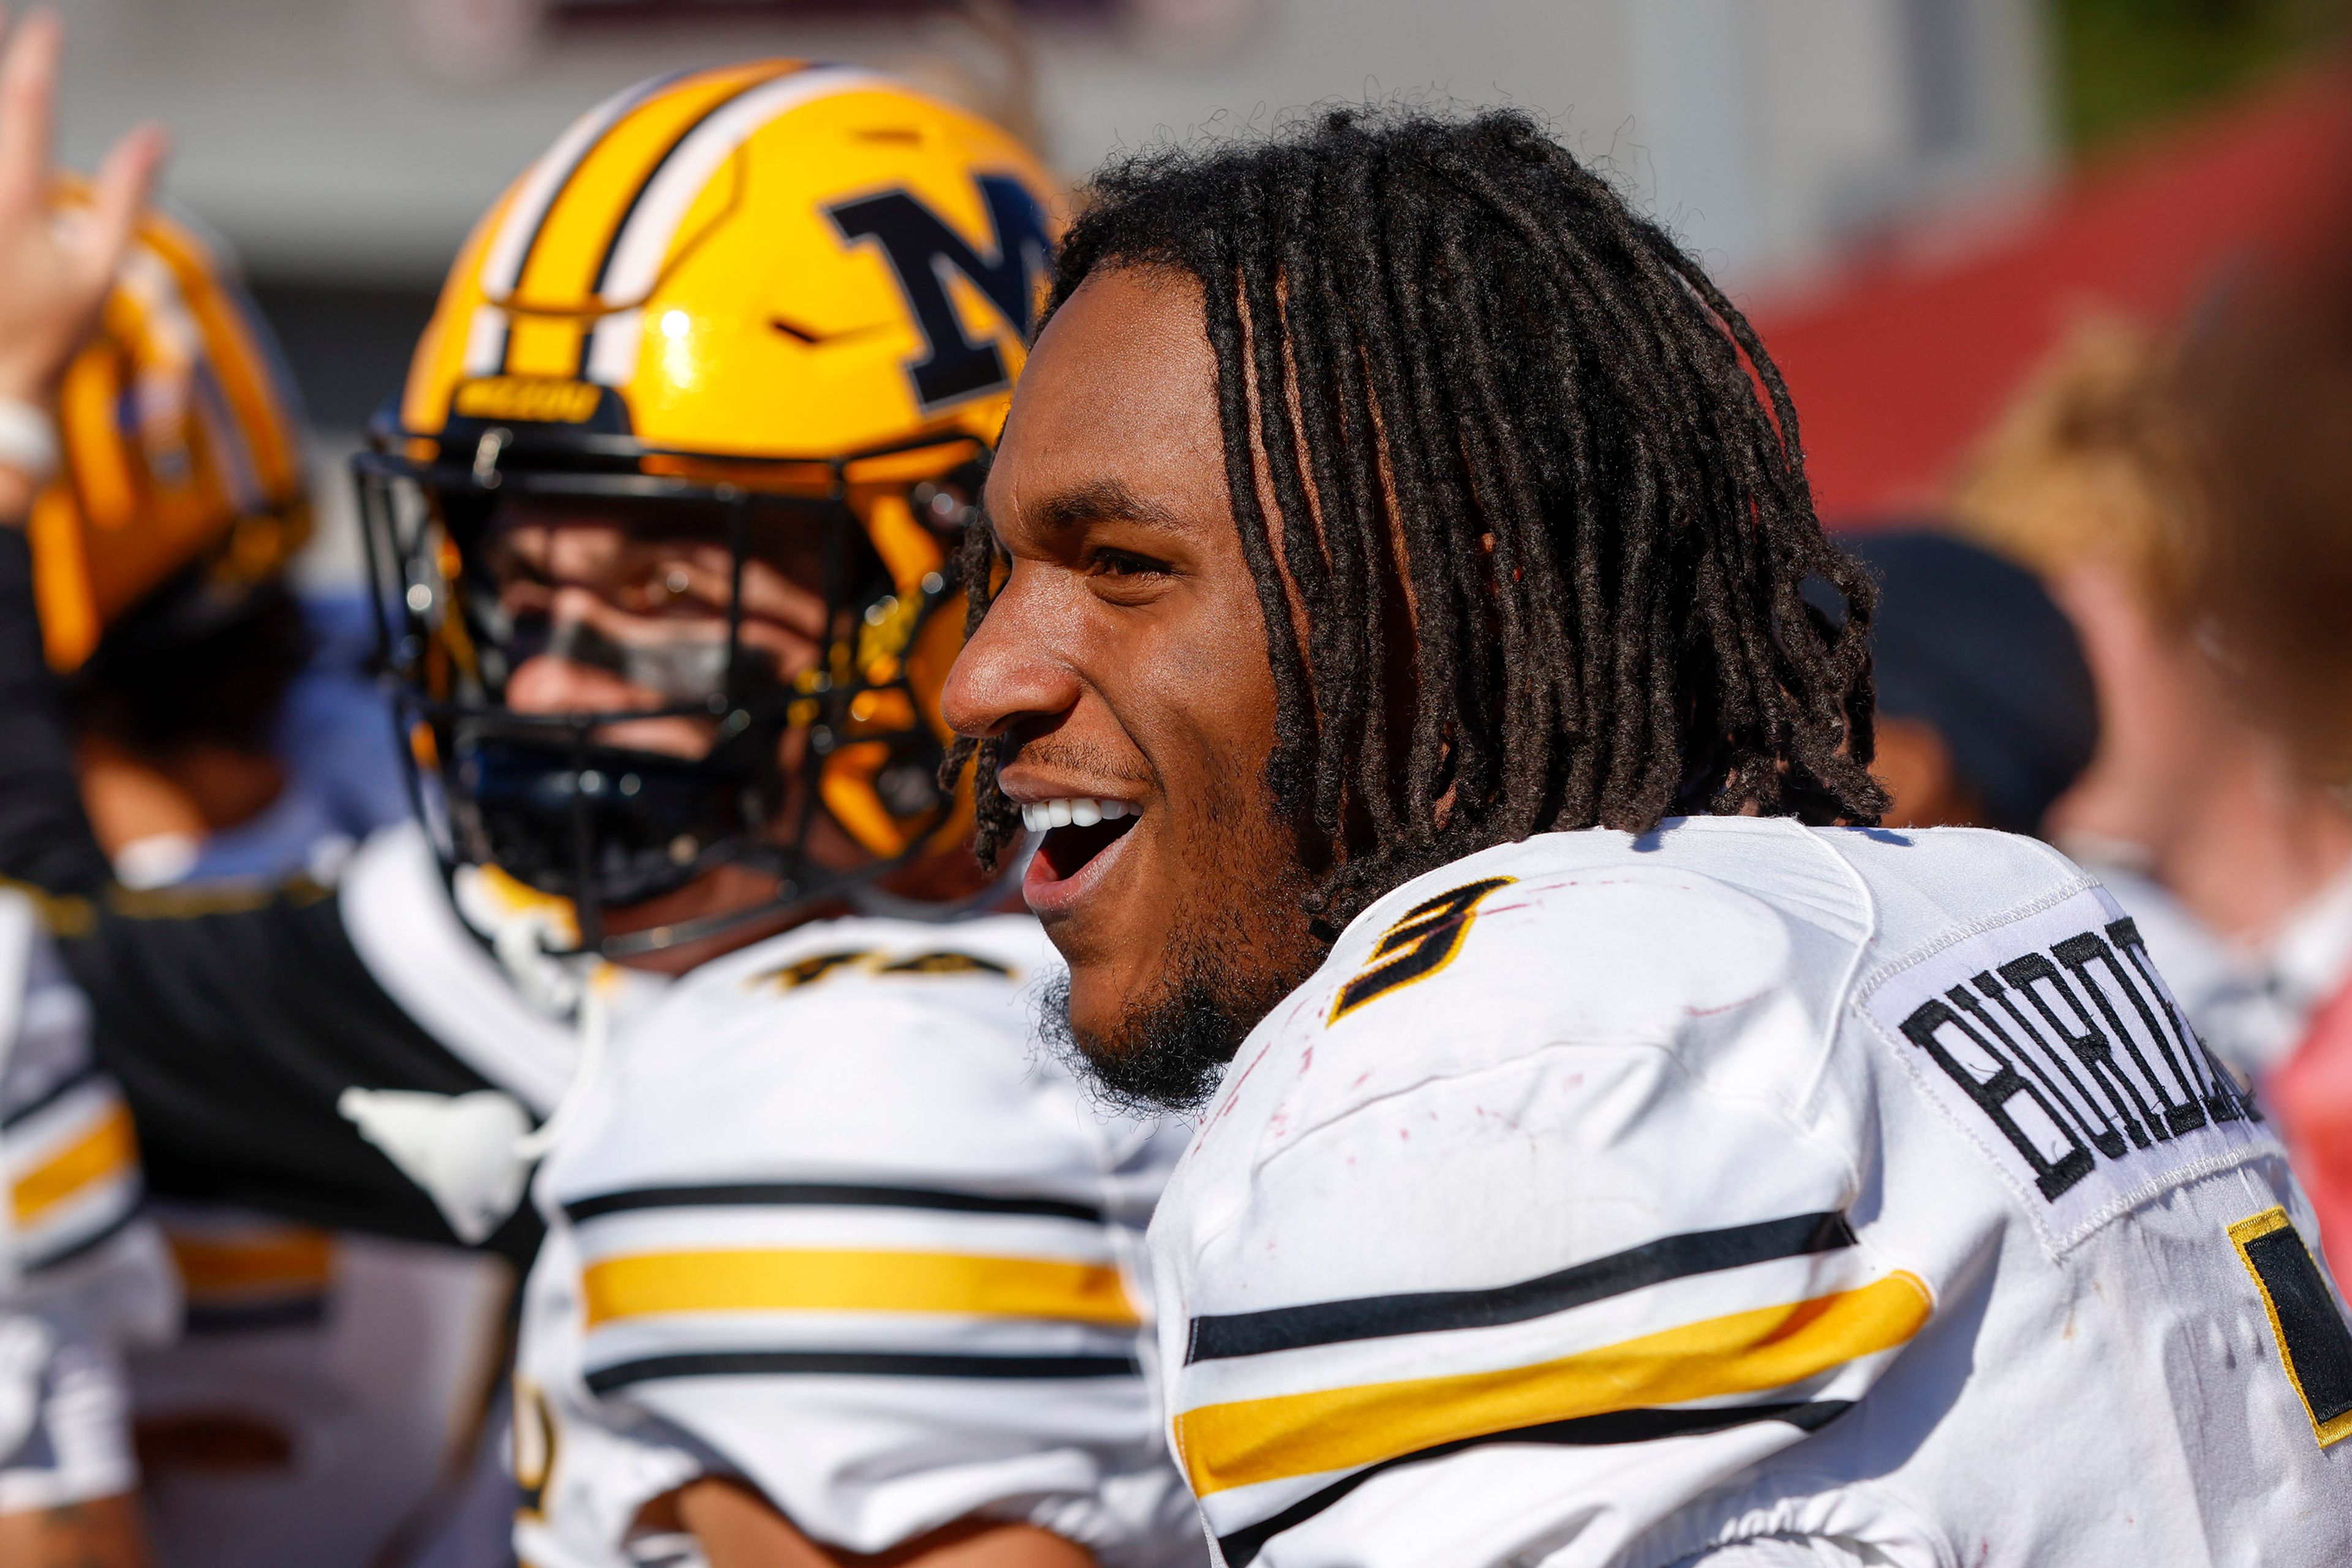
(1628, 1155)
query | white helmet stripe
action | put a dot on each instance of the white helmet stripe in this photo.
(502, 265)
(635, 263)
(485, 340)
(613, 347)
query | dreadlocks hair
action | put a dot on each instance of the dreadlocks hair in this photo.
(1458, 360)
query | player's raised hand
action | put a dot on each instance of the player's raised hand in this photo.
(54, 271)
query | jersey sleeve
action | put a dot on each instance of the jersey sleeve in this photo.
(1517, 1262)
(83, 1276)
(234, 1023)
(888, 1275)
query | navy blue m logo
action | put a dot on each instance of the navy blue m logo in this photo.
(921, 248)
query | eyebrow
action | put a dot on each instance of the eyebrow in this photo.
(1101, 501)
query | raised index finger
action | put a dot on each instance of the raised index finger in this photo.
(28, 79)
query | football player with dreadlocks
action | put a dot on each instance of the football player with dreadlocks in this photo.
(1398, 554)
(663, 520)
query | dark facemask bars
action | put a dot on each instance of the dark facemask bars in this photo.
(539, 796)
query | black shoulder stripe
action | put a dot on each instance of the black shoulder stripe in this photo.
(856, 1364)
(65, 1086)
(2311, 1329)
(1241, 1548)
(1652, 1263)
(820, 1194)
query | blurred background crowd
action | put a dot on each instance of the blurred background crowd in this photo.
(2059, 286)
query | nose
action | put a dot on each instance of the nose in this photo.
(1010, 674)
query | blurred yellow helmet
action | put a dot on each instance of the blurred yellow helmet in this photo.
(178, 426)
(759, 286)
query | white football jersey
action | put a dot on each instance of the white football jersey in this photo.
(1606, 1200)
(83, 1278)
(828, 1223)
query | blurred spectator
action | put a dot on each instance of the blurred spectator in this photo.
(248, 750)
(1986, 712)
(2234, 862)
(2269, 393)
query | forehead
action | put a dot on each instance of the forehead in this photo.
(1122, 390)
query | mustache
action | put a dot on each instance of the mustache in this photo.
(1079, 758)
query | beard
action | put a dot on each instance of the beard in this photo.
(1164, 1058)
(1224, 972)
(1168, 1052)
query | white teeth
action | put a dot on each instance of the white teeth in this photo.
(1073, 811)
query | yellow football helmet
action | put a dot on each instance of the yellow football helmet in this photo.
(783, 299)
(178, 426)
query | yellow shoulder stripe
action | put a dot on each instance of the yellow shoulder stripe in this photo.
(107, 1149)
(1251, 1441)
(810, 1280)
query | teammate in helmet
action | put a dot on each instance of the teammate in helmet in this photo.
(1629, 1154)
(669, 501)
(832, 1267)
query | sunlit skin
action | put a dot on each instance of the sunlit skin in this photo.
(634, 592)
(737, 1529)
(2213, 802)
(1125, 656)
(104, 1533)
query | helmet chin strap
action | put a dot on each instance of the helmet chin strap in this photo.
(595, 1027)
